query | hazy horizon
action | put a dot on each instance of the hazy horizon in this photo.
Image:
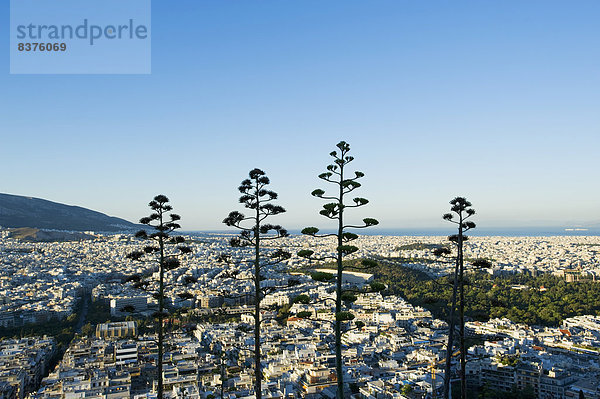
(326, 225)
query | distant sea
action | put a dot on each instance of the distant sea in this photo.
(481, 232)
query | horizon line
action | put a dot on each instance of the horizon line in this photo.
(441, 231)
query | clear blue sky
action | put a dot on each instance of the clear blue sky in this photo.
(498, 101)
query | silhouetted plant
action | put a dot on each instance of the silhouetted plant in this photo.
(335, 210)
(460, 211)
(254, 232)
(163, 224)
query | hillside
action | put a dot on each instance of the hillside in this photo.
(36, 235)
(19, 211)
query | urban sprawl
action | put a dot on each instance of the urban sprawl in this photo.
(398, 353)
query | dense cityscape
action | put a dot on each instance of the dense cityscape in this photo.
(397, 352)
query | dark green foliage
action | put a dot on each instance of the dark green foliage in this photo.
(377, 286)
(304, 314)
(509, 360)
(310, 230)
(418, 247)
(370, 222)
(98, 312)
(303, 298)
(349, 236)
(347, 249)
(442, 251)
(368, 263)
(292, 282)
(480, 263)
(344, 316)
(349, 297)
(283, 313)
(490, 297)
(486, 392)
(87, 330)
(321, 276)
(305, 253)
(217, 318)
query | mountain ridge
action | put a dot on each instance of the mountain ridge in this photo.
(24, 211)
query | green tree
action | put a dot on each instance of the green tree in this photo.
(163, 223)
(334, 210)
(87, 330)
(407, 389)
(489, 296)
(254, 233)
